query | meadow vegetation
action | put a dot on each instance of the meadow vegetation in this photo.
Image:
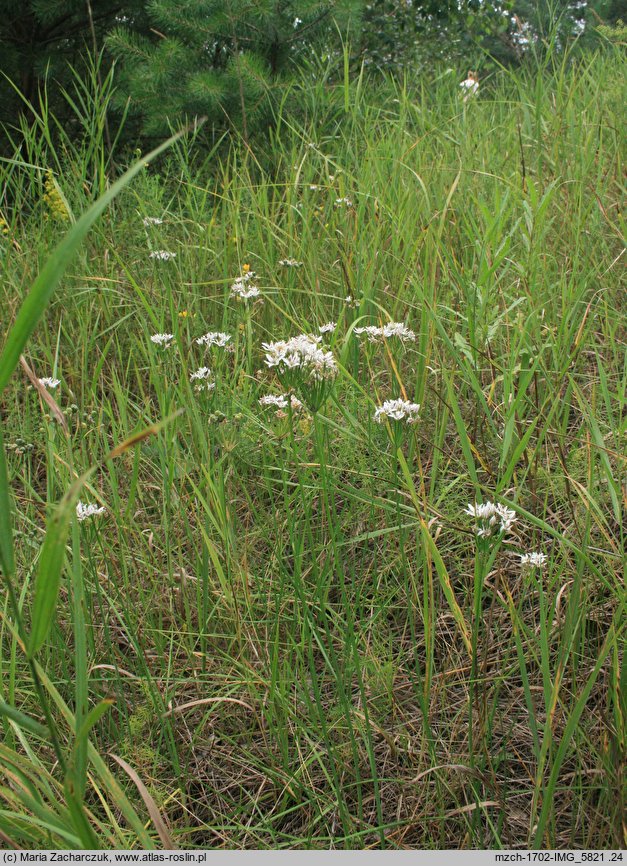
(278, 626)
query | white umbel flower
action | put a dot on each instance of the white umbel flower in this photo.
(162, 255)
(86, 510)
(376, 334)
(301, 353)
(202, 377)
(327, 328)
(302, 364)
(398, 410)
(470, 86)
(152, 221)
(243, 289)
(491, 518)
(343, 202)
(163, 340)
(290, 263)
(533, 559)
(201, 373)
(49, 383)
(214, 338)
(280, 401)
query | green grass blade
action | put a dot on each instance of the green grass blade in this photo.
(48, 578)
(93, 717)
(50, 566)
(548, 795)
(7, 561)
(23, 720)
(35, 303)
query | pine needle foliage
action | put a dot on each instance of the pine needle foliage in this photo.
(43, 39)
(223, 60)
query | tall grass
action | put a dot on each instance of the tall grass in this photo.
(299, 639)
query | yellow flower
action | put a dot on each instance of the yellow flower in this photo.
(245, 269)
(54, 200)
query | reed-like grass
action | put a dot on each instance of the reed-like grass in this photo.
(285, 627)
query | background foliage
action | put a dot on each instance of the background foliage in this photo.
(231, 60)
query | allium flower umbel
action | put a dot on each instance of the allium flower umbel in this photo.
(49, 383)
(491, 519)
(376, 334)
(162, 255)
(86, 510)
(163, 340)
(398, 410)
(290, 263)
(202, 377)
(280, 402)
(302, 364)
(470, 85)
(243, 288)
(152, 221)
(397, 413)
(328, 327)
(534, 559)
(214, 338)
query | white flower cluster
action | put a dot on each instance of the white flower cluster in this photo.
(393, 329)
(280, 401)
(327, 328)
(470, 86)
(47, 382)
(290, 263)
(243, 288)
(202, 377)
(491, 519)
(214, 338)
(346, 202)
(302, 354)
(350, 301)
(152, 221)
(85, 511)
(398, 410)
(533, 559)
(162, 255)
(163, 340)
